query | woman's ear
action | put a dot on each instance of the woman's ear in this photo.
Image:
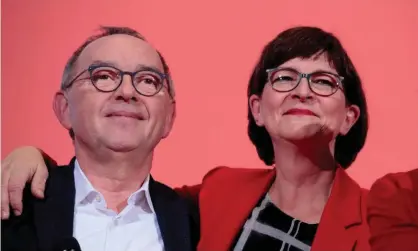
(255, 107)
(351, 117)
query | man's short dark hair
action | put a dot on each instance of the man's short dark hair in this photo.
(305, 42)
(105, 31)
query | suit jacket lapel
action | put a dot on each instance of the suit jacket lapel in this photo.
(54, 215)
(172, 216)
(341, 215)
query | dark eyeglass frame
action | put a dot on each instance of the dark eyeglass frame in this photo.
(121, 73)
(270, 73)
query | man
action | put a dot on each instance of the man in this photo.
(393, 212)
(117, 102)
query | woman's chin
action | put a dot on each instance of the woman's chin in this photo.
(301, 131)
(299, 137)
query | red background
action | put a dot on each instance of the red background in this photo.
(211, 47)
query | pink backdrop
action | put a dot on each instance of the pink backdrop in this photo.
(211, 47)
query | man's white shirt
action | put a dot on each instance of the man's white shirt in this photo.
(97, 228)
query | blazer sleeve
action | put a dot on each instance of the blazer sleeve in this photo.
(391, 215)
(191, 193)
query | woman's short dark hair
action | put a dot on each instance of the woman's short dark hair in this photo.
(305, 42)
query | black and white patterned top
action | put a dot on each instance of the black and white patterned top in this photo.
(268, 228)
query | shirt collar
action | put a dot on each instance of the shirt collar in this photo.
(84, 189)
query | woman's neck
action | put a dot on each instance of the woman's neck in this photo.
(303, 181)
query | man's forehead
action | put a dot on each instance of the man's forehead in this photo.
(123, 51)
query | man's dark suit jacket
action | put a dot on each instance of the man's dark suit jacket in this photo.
(46, 223)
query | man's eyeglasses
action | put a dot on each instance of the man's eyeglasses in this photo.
(147, 81)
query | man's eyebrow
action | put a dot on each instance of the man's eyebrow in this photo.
(103, 63)
(112, 64)
(147, 67)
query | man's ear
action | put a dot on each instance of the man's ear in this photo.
(61, 109)
(255, 107)
(351, 117)
(169, 121)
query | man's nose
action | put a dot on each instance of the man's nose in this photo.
(126, 90)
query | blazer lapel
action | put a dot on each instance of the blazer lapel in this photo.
(341, 215)
(227, 209)
(172, 216)
(54, 215)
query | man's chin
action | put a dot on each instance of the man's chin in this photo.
(122, 149)
(122, 146)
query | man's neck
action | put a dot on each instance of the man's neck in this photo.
(117, 176)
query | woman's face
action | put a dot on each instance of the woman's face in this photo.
(301, 114)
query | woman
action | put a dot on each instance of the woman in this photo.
(307, 117)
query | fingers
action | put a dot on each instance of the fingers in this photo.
(17, 182)
(39, 181)
(18, 168)
(5, 209)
